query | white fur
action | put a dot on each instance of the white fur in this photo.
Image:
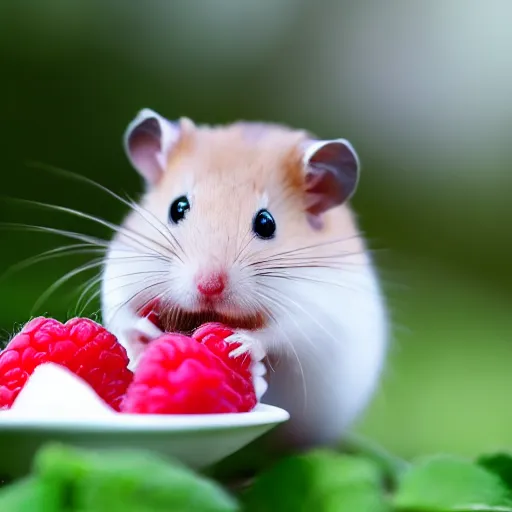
(330, 341)
(118, 286)
(329, 333)
(339, 335)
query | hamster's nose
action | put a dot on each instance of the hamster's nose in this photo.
(211, 284)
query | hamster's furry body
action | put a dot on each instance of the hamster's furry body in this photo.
(307, 294)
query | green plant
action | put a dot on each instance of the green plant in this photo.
(365, 479)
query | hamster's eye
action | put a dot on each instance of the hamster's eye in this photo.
(178, 209)
(264, 224)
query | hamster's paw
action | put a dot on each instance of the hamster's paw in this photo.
(134, 335)
(248, 344)
(143, 327)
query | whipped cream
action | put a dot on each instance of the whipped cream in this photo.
(54, 392)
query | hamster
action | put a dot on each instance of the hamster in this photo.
(249, 224)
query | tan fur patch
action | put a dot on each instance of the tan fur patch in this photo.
(228, 169)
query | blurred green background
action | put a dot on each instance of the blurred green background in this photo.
(422, 89)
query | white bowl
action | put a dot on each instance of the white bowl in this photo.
(196, 440)
(54, 405)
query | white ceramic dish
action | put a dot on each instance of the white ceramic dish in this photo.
(195, 440)
(45, 412)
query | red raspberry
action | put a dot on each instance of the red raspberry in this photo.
(178, 375)
(81, 345)
(213, 335)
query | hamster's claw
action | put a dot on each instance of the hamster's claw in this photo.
(248, 344)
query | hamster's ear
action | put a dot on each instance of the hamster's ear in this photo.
(332, 174)
(147, 141)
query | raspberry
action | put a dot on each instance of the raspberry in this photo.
(80, 345)
(213, 335)
(178, 375)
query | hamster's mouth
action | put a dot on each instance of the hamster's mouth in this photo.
(178, 320)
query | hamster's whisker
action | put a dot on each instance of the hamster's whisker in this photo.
(126, 202)
(335, 257)
(95, 280)
(345, 266)
(59, 252)
(127, 232)
(237, 237)
(171, 239)
(98, 262)
(157, 296)
(134, 296)
(72, 250)
(88, 239)
(309, 258)
(93, 240)
(288, 341)
(341, 267)
(139, 273)
(87, 287)
(138, 256)
(307, 247)
(301, 308)
(308, 263)
(243, 246)
(297, 277)
(282, 306)
(66, 277)
(90, 283)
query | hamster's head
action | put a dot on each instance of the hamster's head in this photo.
(229, 214)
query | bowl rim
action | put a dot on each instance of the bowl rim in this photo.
(263, 414)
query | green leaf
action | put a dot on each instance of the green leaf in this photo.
(393, 467)
(500, 464)
(319, 481)
(128, 481)
(29, 495)
(446, 484)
